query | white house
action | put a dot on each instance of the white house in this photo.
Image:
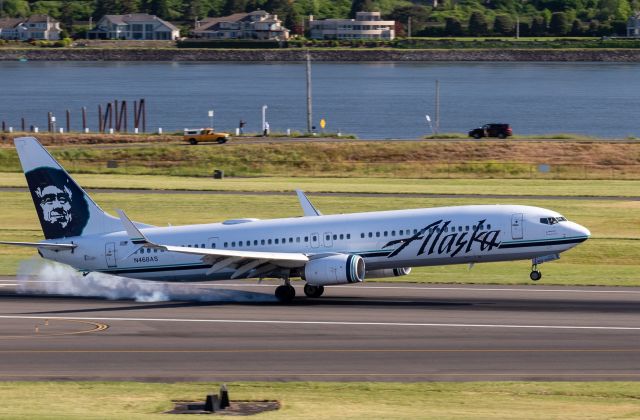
(633, 25)
(366, 25)
(39, 27)
(255, 25)
(136, 26)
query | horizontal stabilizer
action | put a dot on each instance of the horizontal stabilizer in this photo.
(46, 245)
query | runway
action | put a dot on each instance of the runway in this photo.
(368, 332)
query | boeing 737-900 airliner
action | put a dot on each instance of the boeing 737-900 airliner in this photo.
(321, 249)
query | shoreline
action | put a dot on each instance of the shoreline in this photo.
(322, 55)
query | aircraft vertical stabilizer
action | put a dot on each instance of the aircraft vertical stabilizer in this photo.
(64, 208)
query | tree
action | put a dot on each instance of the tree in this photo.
(419, 16)
(503, 25)
(66, 14)
(538, 26)
(129, 6)
(478, 24)
(452, 27)
(360, 6)
(106, 7)
(233, 6)
(160, 8)
(559, 25)
(14, 8)
(193, 9)
(576, 28)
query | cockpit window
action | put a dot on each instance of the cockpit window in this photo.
(552, 220)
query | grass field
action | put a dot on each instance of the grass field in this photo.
(610, 257)
(429, 159)
(328, 400)
(482, 186)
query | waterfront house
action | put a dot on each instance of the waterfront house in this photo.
(38, 27)
(633, 25)
(136, 26)
(366, 25)
(255, 25)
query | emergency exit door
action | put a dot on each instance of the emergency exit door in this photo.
(516, 226)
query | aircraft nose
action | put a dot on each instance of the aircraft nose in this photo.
(579, 230)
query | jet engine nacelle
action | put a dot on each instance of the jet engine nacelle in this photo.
(388, 272)
(334, 269)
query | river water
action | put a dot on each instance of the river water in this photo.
(370, 100)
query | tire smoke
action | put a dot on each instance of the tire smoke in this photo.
(36, 276)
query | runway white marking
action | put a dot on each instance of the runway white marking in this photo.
(338, 323)
(475, 289)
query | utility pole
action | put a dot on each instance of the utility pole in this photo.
(309, 108)
(437, 106)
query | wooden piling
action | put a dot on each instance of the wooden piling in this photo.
(100, 125)
(68, 121)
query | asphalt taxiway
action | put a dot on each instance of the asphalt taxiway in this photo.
(372, 331)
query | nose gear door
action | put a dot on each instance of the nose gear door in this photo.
(516, 226)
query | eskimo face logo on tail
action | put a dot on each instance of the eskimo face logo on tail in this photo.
(61, 205)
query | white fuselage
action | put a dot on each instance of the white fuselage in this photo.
(388, 239)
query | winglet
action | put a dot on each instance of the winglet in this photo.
(134, 233)
(307, 207)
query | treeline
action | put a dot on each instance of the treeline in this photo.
(428, 17)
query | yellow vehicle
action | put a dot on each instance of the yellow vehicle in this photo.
(194, 136)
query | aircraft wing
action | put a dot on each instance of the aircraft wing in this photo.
(46, 245)
(243, 261)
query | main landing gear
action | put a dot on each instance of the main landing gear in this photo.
(286, 292)
(535, 273)
(313, 291)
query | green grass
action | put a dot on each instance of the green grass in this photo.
(609, 258)
(533, 187)
(383, 159)
(330, 400)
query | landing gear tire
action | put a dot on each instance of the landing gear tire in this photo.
(535, 275)
(193, 142)
(313, 291)
(285, 293)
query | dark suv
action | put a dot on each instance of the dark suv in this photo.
(502, 131)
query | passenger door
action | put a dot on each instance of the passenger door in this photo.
(110, 254)
(516, 226)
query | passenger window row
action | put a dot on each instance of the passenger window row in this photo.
(342, 236)
(405, 232)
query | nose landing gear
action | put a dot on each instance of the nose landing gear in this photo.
(535, 274)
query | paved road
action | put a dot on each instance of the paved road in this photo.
(388, 332)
